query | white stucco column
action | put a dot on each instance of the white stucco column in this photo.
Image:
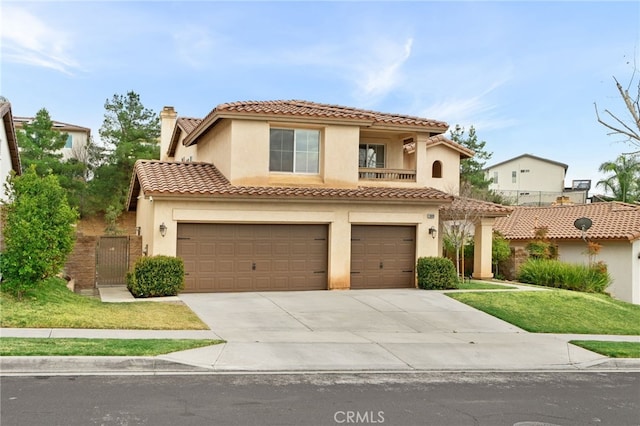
(482, 248)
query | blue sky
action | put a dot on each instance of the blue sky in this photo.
(524, 74)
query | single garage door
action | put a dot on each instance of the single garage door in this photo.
(243, 257)
(382, 256)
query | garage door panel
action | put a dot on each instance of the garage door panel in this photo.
(253, 257)
(382, 256)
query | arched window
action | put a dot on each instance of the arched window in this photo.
(436, 169)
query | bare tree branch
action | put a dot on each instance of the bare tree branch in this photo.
(618, 126)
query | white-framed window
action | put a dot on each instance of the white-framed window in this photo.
(294, 150)
(495, 177)
(371, 156)
(69, 143)
(514, 176)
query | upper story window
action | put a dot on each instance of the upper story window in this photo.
(514, 176)
(495, 177)
(436, 169)
(294, 151)
(69, 143)
(371, 156)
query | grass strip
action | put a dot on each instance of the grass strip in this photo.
(558, 311)
(480, 285)
(19, 346)
(52, 305)
(610, 349)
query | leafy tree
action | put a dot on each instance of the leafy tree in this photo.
(38, 231)
(624, 178)
(500, 250)
(40, 144)
(472, 169)
(131, 132)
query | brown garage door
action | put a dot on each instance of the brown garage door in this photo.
(235, 257)
(382, 256)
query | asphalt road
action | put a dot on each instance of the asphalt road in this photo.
(523, 399)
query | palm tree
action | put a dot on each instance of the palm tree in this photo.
(624, 178)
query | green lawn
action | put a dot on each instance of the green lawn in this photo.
(15, 346)
(611, 349)
(481, 285)
(558, 311)
(54, 306)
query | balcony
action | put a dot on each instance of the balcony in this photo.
(387, 175)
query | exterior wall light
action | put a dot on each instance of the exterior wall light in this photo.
(163, 229)
(433, 231)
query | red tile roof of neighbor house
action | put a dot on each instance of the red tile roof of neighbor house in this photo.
(463, 207)
(204, 179)
(612, 220)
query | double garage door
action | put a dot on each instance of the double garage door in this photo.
(252, 257)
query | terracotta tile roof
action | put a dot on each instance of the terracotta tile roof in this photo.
(462, 206)
(442, 139)
(313, 110)
(183, 124)
(204, 179)
(612, 220)
(57, 125)
(188, 123)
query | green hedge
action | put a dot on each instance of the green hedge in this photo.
(436, 273)
(156, 276)
(569, 276)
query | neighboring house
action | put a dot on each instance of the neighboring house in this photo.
(77, 136)
(9, 156)
(533, 181)
(615, 226)
(296, 195)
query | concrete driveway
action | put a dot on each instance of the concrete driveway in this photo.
(405, 329)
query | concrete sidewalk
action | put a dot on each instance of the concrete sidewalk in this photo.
(364, 330)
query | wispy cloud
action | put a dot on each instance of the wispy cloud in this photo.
(194, 46)
(28, 40)
(480, 110)
(381, 71)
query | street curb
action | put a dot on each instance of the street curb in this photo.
(43, 365)
(113, 365)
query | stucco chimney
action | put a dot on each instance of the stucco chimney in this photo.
(168, 117)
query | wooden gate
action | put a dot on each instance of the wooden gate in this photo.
(112, 261)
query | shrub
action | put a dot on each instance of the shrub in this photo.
(156, 276)
(38, 231)
(569, 276)
(436, 273)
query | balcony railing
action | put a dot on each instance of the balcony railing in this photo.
(401, 175)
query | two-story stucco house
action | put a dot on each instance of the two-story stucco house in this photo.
(531, 180)
(293, 195)
(77, 136)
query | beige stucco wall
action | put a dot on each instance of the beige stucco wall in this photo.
(339, 217)
(79, 144)
(622, 262)
(542, 176)
(450, 159)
